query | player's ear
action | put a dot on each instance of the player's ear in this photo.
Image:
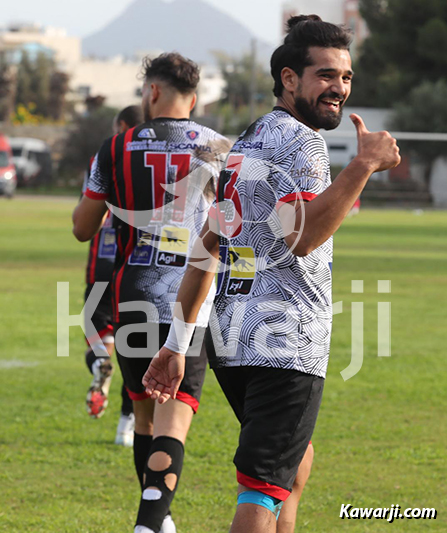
(122, 126)
(155, 93)
(289, 79)
(193, 101)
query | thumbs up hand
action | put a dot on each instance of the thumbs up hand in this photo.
(378, 150)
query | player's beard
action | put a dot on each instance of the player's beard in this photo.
(315, 117)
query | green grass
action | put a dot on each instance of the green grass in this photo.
(49, 190)
(380, 438)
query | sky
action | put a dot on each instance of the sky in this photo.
(82, 17)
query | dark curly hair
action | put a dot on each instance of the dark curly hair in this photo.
(131, 115)
(303, 32)
(174, 69)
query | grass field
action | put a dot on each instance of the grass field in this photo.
(380, 439)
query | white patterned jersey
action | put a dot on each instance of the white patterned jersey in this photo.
(272, 308)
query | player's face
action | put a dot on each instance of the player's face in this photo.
(324, 88)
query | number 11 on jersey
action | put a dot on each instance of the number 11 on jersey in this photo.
(159, 164)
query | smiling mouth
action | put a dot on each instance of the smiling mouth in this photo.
(332, 105)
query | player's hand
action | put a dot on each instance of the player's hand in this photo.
(164, 375)
(378, 150)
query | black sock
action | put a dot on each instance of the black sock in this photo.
(161, 476)
(126, 402)
(141, 448)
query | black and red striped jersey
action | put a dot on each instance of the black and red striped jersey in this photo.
(160, 174)
(102, 249)
(101, 255)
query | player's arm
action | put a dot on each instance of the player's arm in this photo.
(324, 215)
(89, 214)
(88, 217)
(199, 275)
(166, 370)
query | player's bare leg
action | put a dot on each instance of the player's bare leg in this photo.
(287, 517)
(172, 419)
(110, 347)
(144, 416)
(252, 518)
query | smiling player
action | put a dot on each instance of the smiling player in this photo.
(278, 210)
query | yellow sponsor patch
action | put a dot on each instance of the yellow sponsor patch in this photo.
(174, 240)
(242, 270)
(243, 263)
(173, 246)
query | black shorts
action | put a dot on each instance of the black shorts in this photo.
(102, 316)
(277, 409)
(134, 367)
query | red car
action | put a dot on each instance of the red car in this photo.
(8, 178)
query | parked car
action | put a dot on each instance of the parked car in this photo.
(32, 159)
(8, 178)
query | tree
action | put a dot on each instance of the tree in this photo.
(42, 70)
(424, 111)
(86, 137)
(8, 81)
(235, 104)
(56, 99)
(237, 75)
(407, 44)
(25, 73)
(41, 89)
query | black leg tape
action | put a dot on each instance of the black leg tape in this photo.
(160, 481)
(141, 449)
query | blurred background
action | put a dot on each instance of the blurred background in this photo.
(64, 74)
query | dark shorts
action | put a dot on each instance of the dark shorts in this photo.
(102, 316)
(134, 367)
(277, 409)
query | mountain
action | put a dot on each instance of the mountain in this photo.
(192, 27)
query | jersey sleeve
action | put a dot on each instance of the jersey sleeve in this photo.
(86, 176)
(212, 213)
(305, 173)
(219, 148)
(209, 164)
(101, 172)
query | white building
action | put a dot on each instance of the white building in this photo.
(115, 79)
(335, 11)
(120, 83)
(328, 10)
(342, 142)
(67, 50)
(210, 88)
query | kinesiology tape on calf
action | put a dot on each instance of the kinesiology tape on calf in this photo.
(160, 481)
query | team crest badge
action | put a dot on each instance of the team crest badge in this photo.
(192, 134)
(260, 128)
